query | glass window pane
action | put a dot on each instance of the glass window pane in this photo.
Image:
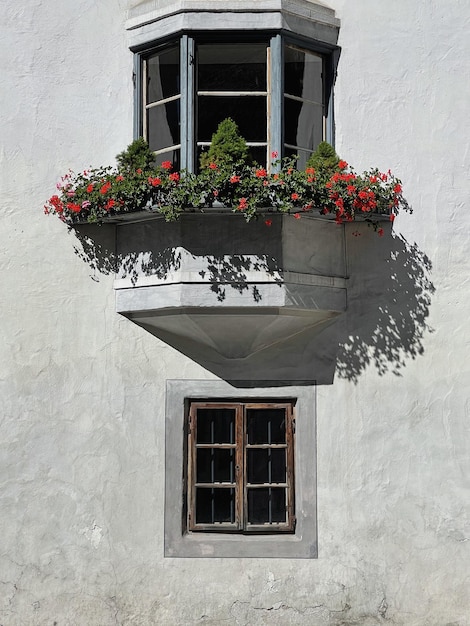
(163, 75)
(257, 154)
(232, 67)
(266, 426)
(303, 124)
(214, 465)
(303, 74)
(216, 426)
(266, 465)
(267, 506)
(173, 155)
(163, 125)
(249, 112)
(215, 505)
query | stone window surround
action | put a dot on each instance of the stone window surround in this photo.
(179, 543)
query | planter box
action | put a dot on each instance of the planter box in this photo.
(222, 290)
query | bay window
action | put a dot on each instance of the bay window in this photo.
(276, 88)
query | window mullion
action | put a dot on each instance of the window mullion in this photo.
(187, 100)
(275, 99)
(240, 465)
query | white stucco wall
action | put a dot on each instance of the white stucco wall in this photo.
(82, 390)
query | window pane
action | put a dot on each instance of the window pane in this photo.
(266, 426)
(216, 426)
(215, 505)
(172, 155)
(267, 506)
(232, 67)
(266, 465)
(163, 125)
(163, 75)
(303, 74)
(215, 465)
(249, 112)
(303, 124)
(257, 154)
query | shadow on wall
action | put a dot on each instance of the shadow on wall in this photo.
(389, 293)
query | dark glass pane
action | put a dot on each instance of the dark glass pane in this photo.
(302, 156)
(215, 465)
(303, 123)
(215, 505)
(163, 127)
(267, 506)
(257, 154)
(163, 75)
(172, 155)
(266, 465)
(232, 67)
(303, 74)
(215, 425)
(266, 426)
(249, 112)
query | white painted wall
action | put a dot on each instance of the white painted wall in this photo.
(82, 390)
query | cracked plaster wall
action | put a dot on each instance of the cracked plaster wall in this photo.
(82, 389)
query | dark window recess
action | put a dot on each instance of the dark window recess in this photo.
(241, 467)
(277, 95)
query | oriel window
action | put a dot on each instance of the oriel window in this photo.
(278, 92)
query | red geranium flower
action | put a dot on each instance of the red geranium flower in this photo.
(167, 165)
(105, 188)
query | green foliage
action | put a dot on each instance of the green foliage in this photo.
(227, 146)
(324, 158)
(328, 186)
(136, 156)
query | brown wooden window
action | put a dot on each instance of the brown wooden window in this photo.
(241, 467)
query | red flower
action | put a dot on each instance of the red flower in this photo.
(397, 188)
(294, 196)
(261, 173)
(310, 170)
(110, 204)
(90, 187)
(342, 165)
(242, 204)
(119, 178)
(268, 222)
(175, 177)
(75, 208)
(213, 166)
(139, 170)
(234, 179)
(105, 188)
(167, 165)
(215, 193)
(154, 181)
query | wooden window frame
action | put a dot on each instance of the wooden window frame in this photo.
(240, 483)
